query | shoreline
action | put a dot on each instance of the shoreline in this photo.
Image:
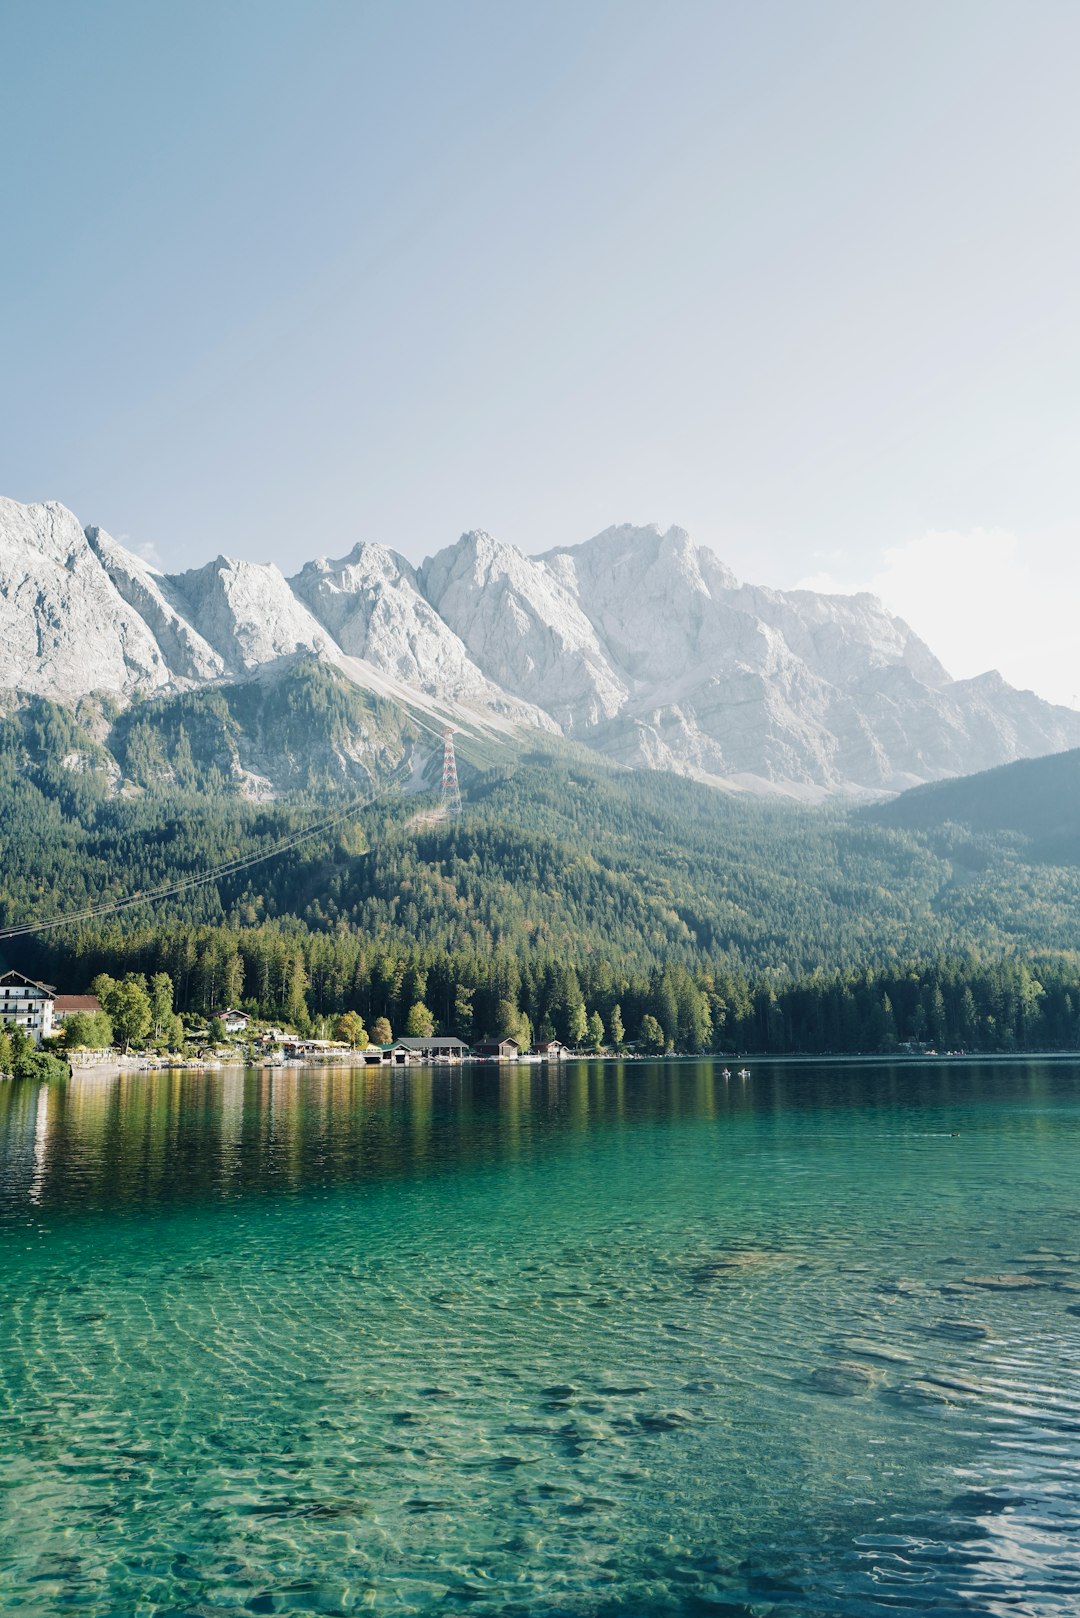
(132, 1066)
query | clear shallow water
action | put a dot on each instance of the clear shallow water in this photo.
(611, 1340)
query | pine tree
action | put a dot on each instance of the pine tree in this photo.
(462, 1018)
(652, 1035)
(577, 1025)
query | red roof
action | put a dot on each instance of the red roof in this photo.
(75, 1002)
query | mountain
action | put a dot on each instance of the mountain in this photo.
(1037, 801)
(637, 645)
(65, 629)
(557, 859)
(757, 686)
(531, 634)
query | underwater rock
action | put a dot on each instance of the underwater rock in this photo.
(956, 1384)
(965, 1331)
(924, 1392)
(664, 1421)
(867, 1348)
(981, 1502)
(737, 1262)
(846, 1378)
(1004, 1283)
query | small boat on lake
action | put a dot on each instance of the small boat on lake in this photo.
(744, 1073)
(726, 1074)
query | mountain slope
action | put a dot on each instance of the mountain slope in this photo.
(187, 654)
(371, 603)
(555, 860)
(766, 686)
(524, 628)
(1038, 800)
(248, 613)
(636, 644)
(65, 629)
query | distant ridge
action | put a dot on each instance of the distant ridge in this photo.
(1037, 799)
(637, 644)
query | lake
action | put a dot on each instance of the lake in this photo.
(601, 1340)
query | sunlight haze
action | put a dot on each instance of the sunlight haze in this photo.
(799, 279)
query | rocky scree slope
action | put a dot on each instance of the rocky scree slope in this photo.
(637, 644)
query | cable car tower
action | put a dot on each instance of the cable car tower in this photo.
(451, 792)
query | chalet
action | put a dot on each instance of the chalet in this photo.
(236, 1022)
(437, 1048)
(28, 1004)
(550, 1050)
(497, 1050)
(65, 1005)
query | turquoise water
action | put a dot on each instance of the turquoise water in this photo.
(609, 1340)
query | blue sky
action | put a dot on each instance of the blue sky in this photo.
(798, 277)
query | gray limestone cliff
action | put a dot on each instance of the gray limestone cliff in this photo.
(636, 643)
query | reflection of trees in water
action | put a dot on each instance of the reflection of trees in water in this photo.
(138, 1139)
(20, 1146)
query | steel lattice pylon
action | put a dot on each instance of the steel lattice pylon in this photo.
(451, 792)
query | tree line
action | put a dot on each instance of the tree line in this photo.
(149, 977)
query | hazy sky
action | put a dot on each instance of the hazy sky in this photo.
(801, 278)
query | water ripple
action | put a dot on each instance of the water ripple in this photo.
(607, 1347)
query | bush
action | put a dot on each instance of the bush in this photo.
(40, 1066)
(48, 1069)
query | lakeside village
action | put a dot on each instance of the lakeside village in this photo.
(504, 1012)
(132, 1022)
(997, 1007)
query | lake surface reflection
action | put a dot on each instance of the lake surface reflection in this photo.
(609, 1339)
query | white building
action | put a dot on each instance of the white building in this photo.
(27, 1004)
(236, 1022)
(67, 1005)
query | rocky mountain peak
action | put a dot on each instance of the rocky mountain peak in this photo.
(247, 612)
(64, 627)
(524, 627)
(188, 654)
(637, 642)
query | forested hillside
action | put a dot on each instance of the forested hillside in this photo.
(550, 856)
(1038, 800)
(565, 889)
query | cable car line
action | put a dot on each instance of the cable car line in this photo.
(227, 868)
